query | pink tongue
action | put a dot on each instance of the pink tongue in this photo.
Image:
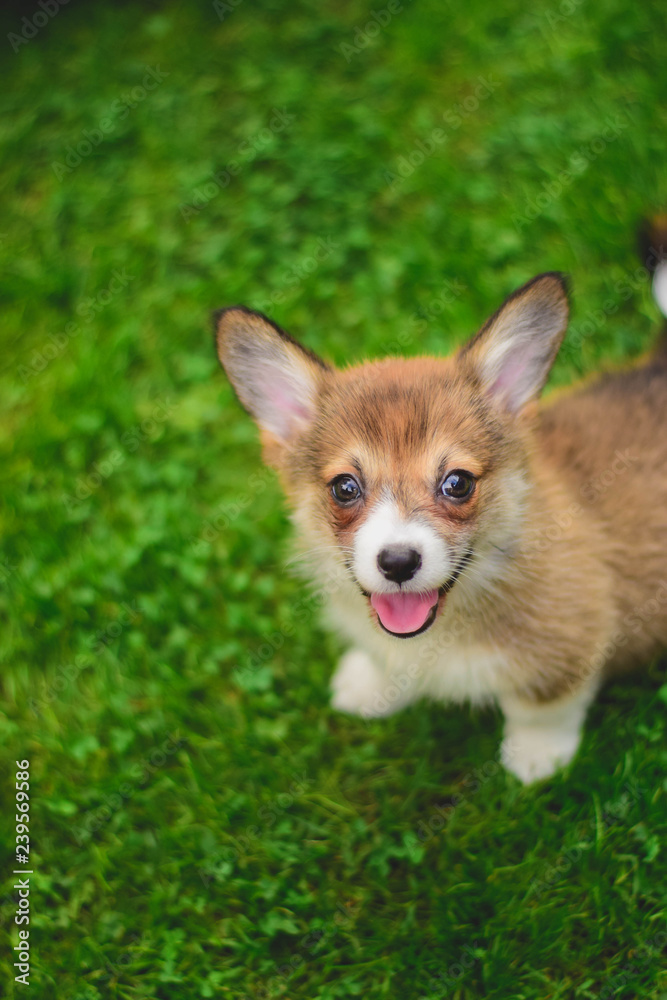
(403, 612)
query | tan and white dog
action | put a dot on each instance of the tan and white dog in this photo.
(484, 548)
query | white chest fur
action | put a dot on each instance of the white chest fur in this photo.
(383, 674)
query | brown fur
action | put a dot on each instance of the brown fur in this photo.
(580, 435)
(589, 551)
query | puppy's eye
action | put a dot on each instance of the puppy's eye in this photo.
(458, 485)
(345, 489)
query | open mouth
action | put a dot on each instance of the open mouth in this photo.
(406, 614)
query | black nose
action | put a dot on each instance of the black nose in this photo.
(398, 563)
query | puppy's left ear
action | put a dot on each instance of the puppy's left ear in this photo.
(513, 352)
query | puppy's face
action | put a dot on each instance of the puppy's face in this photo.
(407, 470)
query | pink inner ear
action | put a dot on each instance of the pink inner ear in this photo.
(286, 403)
(283, 400)
(509, 380)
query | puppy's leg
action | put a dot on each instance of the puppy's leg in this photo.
(540, 738)
(361, 688)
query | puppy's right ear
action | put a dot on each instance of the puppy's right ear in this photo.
(276, 379)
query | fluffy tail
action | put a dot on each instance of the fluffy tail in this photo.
(653, 250)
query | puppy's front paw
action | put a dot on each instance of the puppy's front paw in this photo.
(358, 687)
(532, 754)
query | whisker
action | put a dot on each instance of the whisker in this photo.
(304, 555)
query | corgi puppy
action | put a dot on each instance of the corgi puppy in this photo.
(473, 544)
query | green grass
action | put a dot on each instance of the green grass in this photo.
(203, 825)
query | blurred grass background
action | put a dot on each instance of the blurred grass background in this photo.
(203, 824)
